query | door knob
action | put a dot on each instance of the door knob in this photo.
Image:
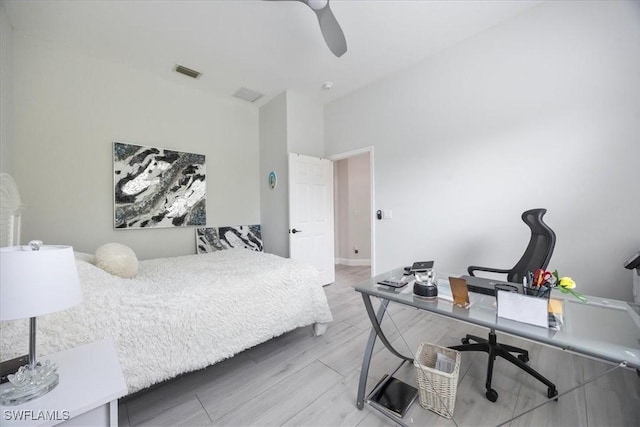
(294, 231)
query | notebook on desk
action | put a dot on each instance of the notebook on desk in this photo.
(485, 286)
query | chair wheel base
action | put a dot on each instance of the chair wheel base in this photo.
(551, 393)
(523, 358)
(465, 340)
(492, 395)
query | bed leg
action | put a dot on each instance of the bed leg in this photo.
(320, 328)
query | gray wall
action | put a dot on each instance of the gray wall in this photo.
(359, 208)
(6, 94)
(274, 204)
(305, 125)
(289, 123)
(68, 109)
(352, 202)
(540, 111)
(341, 210)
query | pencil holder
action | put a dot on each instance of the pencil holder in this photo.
(540, 292)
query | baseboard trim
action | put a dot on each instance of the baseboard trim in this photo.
(353, 262)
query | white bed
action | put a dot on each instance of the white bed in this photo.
(181, 314)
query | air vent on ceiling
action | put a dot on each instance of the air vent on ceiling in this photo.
(247, 94)
(187, 71)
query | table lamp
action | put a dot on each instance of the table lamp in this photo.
(35, 280)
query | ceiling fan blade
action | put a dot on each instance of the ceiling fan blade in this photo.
(331, 31)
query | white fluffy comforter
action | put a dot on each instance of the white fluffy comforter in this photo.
(180, 314)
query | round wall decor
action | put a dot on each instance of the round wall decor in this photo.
(273, 180)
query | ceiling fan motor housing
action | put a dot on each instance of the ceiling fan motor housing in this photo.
(317, 4)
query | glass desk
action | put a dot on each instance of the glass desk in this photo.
(605, 329)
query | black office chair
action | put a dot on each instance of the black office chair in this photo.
(537, 255)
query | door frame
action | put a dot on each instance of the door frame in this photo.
(354, 153)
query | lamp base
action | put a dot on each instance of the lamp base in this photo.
(28, 384)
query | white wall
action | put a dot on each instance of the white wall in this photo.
(274, 203)
(6, 94)
(70, 107)
(540, 111)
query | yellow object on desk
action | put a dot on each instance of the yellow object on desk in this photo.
(556, 318)
(555, 306)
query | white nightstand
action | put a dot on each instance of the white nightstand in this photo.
(91, 382)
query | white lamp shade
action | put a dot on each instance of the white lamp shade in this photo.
(33, 283)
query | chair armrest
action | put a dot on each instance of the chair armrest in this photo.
(473, 268)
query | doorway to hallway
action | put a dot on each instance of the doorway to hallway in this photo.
(353, 209)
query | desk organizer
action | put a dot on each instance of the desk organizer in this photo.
(437, 389)
(538, 292)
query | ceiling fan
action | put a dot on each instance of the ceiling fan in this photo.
(331, 31)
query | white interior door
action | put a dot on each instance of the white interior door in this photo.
(311, 213)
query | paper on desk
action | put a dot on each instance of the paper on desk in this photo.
(523, 308)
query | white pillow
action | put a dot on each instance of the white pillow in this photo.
(117, 259)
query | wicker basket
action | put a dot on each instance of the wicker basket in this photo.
(437, 388)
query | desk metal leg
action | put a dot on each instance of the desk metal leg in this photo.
(376, 331)
(368, 353)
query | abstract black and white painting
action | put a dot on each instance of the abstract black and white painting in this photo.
(155, 187)
(207, 240)
(241, 236)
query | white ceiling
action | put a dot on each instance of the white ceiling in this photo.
(267, 46)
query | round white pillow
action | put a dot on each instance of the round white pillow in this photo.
(117, 259)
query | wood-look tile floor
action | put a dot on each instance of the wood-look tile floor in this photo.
(301, 380)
